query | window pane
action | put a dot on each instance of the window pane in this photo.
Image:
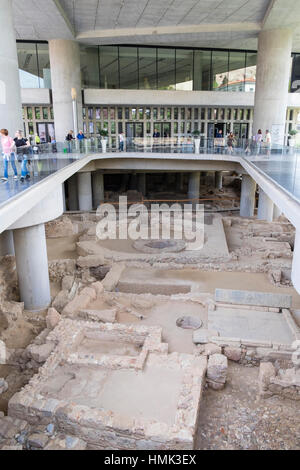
(109, 71)
(89, 62)
(98, 113)
(202, 70)
(45, 113)
(147, 68)
(220, 70)
(29, 114)
(236, 80)
(128, 68)
(28, 68)
(250, 73)
(184, 69)
(37, 112)
(166, 69)
(44, 66)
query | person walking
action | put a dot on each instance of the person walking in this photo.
(23, 151)
(69, 138)
(219, 140)
(80, 138)
(121, 141)
(268, 140)
(8, 147)
(230, 143)
(258, 141)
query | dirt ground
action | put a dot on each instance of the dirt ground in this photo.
(234, 419)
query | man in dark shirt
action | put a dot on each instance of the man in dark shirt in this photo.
(23, 150)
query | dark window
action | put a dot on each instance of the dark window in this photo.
(109, 67)
(128, 68)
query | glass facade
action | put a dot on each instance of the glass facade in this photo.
(34, 65)
(165, 68)
(295, 74)
(153, 68)
(162, 68)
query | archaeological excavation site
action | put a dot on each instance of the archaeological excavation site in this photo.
(149, 343)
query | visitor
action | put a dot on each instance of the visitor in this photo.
(23, 150)
(80, 137)
(268, 141)
(156, 134)
(121, 141)
(219, 140)
(8, 147)
(69, 138)
(37, 143)
(258, 138)
(230, 143)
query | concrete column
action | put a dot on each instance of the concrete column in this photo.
(7, 243)
(272, 81)
(85, 198)
(142, 183)
(296, 263)
(98, 188)
(32, 267)
(65, 75)
(218, 180)
(72, 193)
(276, 212)
(194, 185)
(247, 203)
(265, 207)
(10, 91)
(64, 197)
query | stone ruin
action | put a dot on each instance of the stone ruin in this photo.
(138, 395)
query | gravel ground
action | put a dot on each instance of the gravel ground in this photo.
(235, 419)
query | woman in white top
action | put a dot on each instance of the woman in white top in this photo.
(268, 140)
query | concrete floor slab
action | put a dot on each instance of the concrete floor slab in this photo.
(250, 324)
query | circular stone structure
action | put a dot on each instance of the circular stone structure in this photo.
(159, 246)
(189, 323)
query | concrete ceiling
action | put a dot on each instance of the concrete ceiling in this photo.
(192, 23)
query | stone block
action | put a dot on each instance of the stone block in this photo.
(40, 353)
(37, 440)
(217, 368)
(98, 287)
(90, 261)
(211, 348)
(105, 316)
(60, 300)
(80, 302)
(266, 371)
(253, 298)
(67, 282)
(113, 276)
(233, 354)
(203, 335)
(52, 318)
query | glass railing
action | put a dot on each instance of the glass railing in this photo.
(281, 163)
